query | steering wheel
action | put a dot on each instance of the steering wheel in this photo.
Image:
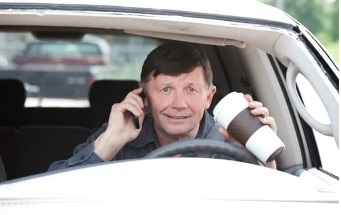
(205, 148)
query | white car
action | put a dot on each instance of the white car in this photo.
(253, 48)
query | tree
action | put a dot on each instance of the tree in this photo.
(334, 17)
(311, 13)
(321, 17)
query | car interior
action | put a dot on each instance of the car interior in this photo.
(33, 136)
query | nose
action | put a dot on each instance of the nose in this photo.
(179, 101)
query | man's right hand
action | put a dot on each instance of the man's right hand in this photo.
(121, 128)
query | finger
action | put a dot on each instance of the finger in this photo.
(260, 111)
(138, 91)
(255, 104)
(224, 133)
(248, 97)
(134, 99)
(133, 107)
(129, 105)
(132, 113)
(135, 94)
(271, 122)
(229, 138)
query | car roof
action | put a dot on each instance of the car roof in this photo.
(241, 8)
(235, 24)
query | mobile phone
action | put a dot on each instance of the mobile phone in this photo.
(136, 122)
(136, 119)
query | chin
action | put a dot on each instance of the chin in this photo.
(180, 132)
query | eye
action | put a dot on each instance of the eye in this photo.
(191, 89)
(165, 89)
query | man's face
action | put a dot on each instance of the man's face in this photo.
(177, 103)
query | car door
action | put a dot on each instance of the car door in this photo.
(312, 82)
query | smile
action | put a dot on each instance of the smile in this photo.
(177, 117)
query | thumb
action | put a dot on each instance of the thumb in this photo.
(229, 138)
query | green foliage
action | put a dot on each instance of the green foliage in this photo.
(311, 13)
(334, 17)
(321, 17)
(333, 49)
(308, 12)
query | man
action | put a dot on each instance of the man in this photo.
(176, 79)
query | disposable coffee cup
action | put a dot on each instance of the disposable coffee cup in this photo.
(232, 113)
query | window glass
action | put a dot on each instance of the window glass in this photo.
(63, 49)
(60, 73)
(327, 146)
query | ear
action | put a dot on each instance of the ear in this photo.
(211, 91)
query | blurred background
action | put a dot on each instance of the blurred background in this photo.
(321, 17)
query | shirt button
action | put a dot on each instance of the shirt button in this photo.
(82, 157)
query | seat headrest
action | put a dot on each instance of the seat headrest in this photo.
(104, 93)
(12, 94)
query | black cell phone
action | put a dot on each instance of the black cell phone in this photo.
(136, 119)
(142, 95)
(136, 122)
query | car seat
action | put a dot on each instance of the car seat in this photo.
(12, 94)
(104, 93)
(40, 146)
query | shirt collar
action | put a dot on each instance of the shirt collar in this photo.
(148, 134)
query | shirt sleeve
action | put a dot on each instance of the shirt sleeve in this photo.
(82, 155)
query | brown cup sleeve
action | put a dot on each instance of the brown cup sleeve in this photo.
(244, 125)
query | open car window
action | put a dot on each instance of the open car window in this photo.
(59, 72)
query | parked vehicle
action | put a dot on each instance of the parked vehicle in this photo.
(64, 66)
(3, 62)
(66, 55)
(253, 48)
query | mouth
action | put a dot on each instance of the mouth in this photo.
(176, 117)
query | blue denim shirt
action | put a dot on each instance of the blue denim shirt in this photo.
(144, 143)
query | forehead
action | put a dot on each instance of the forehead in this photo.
(195, 76)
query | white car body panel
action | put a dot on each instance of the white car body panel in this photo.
(230, 7)
(168, 182)
(186, 176)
